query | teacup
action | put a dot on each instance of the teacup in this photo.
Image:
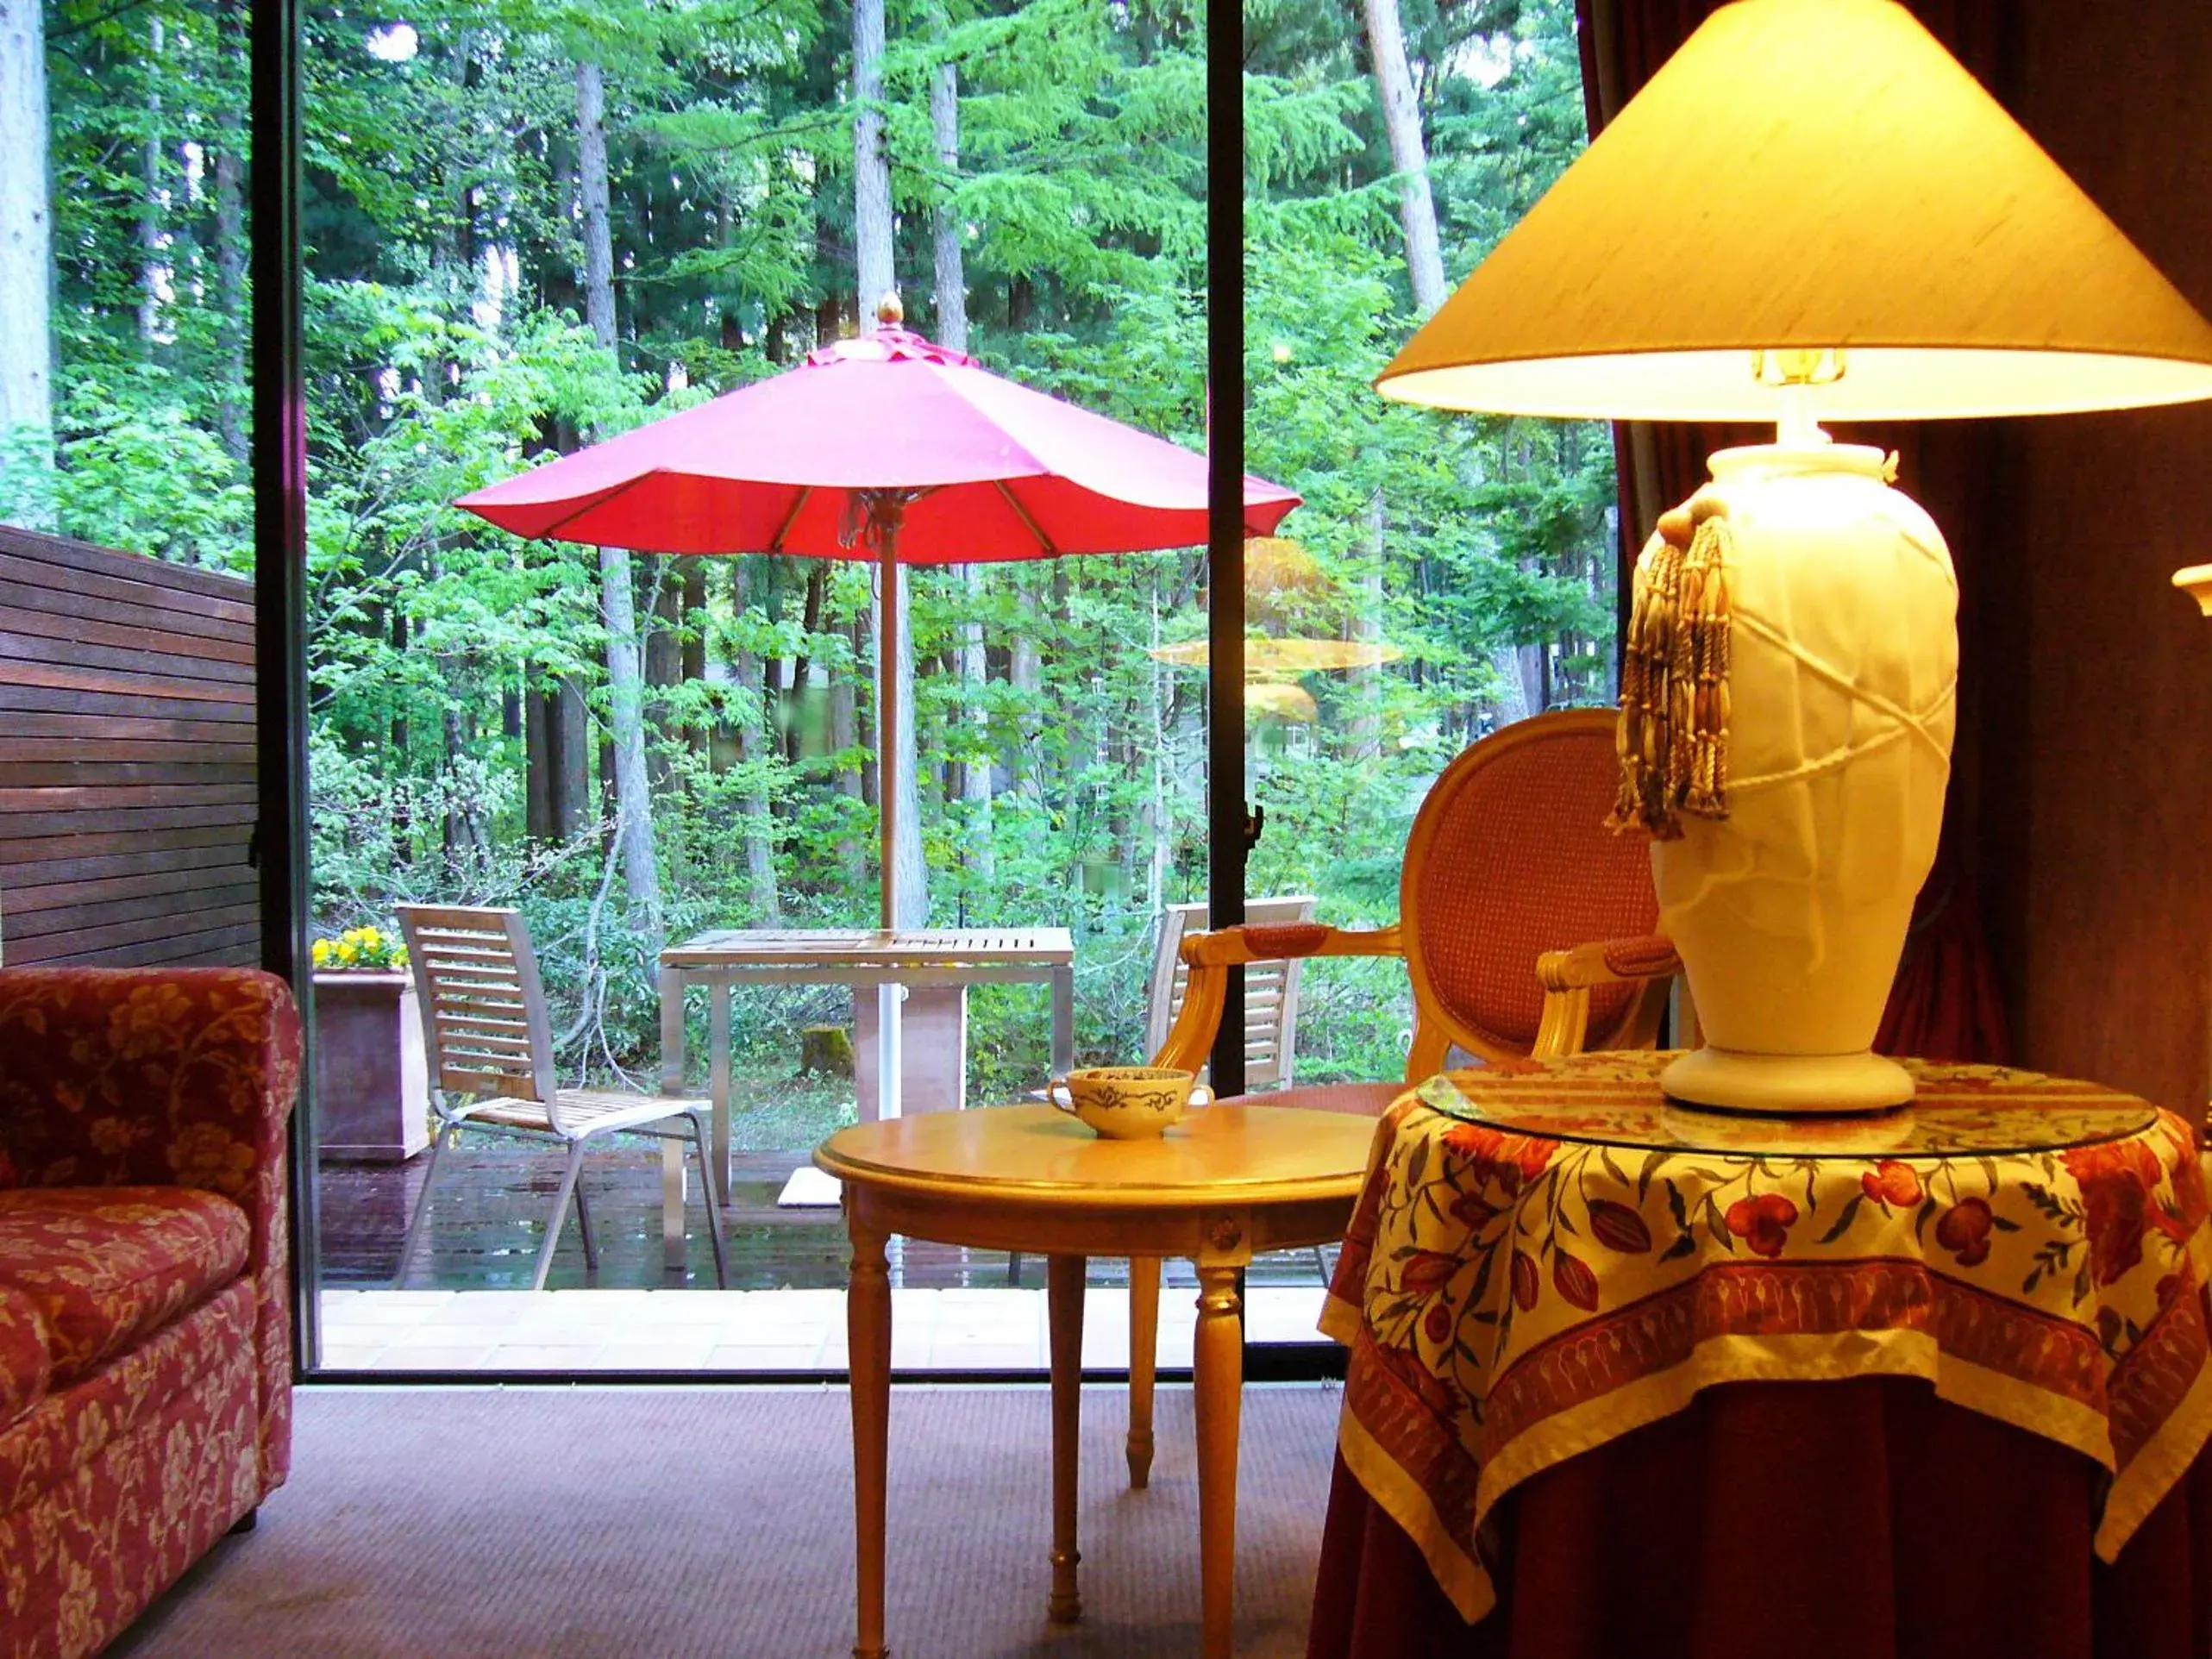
(1124, 1103)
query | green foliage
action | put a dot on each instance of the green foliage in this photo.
(445, 351)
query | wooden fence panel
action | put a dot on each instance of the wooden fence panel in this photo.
(128, 790)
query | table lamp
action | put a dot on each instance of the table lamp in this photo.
(1811, 212)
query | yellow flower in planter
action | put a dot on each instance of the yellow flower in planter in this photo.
(362, 948)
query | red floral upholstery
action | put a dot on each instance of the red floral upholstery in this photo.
(107, 1265)
(78, 1425)
(1521, 863)
(144, 1113)
(114, 1488)
(26, 1366)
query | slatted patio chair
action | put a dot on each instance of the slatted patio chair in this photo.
(1270, 989)
(1509, 859)
(489, 1041)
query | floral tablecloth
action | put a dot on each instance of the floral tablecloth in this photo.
(1548, 1255)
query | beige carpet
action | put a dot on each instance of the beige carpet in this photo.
(577, 1522)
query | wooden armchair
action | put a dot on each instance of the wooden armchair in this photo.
(1509, 859)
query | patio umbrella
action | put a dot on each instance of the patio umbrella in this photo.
(887, 448)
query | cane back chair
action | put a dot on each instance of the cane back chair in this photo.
(489, 1041)
(1509, 859)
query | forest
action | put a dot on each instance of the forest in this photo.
(531, 226)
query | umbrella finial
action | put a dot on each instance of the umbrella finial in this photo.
(890, 310)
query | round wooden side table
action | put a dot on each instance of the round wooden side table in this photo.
(1226, 1183)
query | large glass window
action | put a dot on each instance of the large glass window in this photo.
(1448, 575)
(528, 234)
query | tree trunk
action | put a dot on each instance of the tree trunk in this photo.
(852, 782)
(571, 734)
(151, 273)
(690, 655)
(952, 332)
(1159, 812)
(798, 669)
(663, 658)
(945, 222)
(871, 164)
(1366, 736)
(26, 271)
(756, 744)
(1025, 674)
(232, 322)
(625, 679)
(591, 185)
(538, 765)
(1402, 119)
(641, 875)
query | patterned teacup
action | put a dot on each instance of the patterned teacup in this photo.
(1124, 1103)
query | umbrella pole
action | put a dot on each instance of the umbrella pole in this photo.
(886, 726)
(889, 1060)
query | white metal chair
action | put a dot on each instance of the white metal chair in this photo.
(1270, 989)
(489, 1042)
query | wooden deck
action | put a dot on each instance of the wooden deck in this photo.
(494, 1197)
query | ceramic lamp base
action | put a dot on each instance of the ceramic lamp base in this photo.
(1787, 1084)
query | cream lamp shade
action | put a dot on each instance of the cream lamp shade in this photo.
(1810, 213)
(1817, 176)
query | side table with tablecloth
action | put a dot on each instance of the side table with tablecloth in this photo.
(1581, 1319)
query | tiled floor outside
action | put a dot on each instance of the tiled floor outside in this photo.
(799, 1330)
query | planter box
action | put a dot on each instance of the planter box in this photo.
(371, 1086)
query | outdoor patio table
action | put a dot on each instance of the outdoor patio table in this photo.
(860, 957)
(1222, 1185)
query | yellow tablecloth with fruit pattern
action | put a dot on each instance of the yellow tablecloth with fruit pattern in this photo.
(1548, 1255)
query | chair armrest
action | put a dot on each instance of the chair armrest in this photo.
(1610, 962)
(123, 1077)
(1568, 975)
(1283, 941)
(1209, 956)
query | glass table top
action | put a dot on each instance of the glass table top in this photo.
(1614, 1099)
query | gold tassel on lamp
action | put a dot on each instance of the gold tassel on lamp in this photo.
(1674, 677)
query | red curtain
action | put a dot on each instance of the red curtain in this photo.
(1947, 1003)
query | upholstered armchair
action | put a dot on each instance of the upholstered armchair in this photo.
(144, 1317)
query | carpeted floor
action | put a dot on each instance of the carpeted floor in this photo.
(649, 1523)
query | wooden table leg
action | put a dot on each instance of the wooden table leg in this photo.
(868, 1337)
(1144, 1358)
(1218, 1384)
(1064, 1303)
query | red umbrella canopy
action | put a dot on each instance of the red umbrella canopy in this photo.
(975, 468)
